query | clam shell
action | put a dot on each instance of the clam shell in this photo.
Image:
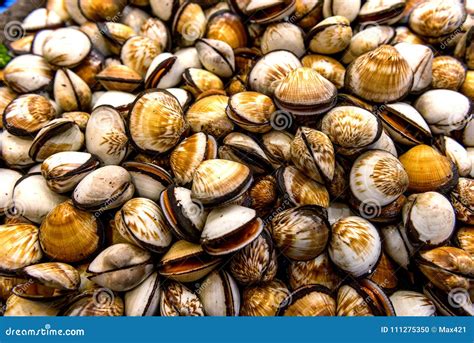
(216, 56)
(276, 145)
(138, 52)
(144, 300)
(27, 73)
(448, 73)
(198, 81)
(6, 96)
(9, 178)
(381, 75)
(264, 299)
(351, 303)
(140, 221)
(121, 267)
(71, 92)
(228, 27)
(19, 246)
(100, 302)
(252, 111)
(456, 153)
(217, 182)
(178, 300)
(220, 296)
(397, 245)
(155, 29)
(101, 10)
(156, 121)
(330, 36)
(66, 47)
(409, 303)
(17, 306)
(328, 67)
(420, 59)
(264, 12)
(116, 34)
(54, 274)
(104, 188)
(381, 11)
(119, 78)
(301, 233)
(465, 239)
(189, 24)
(345, 8)
(355, 246)
(14, 150)
(283, 36)
(313, 300)
(68, 234)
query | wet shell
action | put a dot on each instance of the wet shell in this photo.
(140, 221)
(429, 218)
(298, 189)
(462, 198)
(227, 27)
(448, 73)
(106, 136)
(27, 73)
(198, 81)
(277, 143)
(138, 52)
(409, 303)
(328, 67)
(464, 239)
(70, 235)
(105, 188)
(9, 178)
(144, 300)
(428, 170)
(19, 246)
(119, 78)
(313, 300)
(187, 262)
(252, 111)
(216, 56)
(381, 11)
(312, 152)
(229, 229)
(283, 36)
(14, 150)
(381, 75)
(397, 244)
(64, 170)
(189, 24)
(188, 155)
(264, 299)
(301, 233)
(121, 267)
(71, 92)
(330, 36)
(420, 59)
(97, 302)
(355, 246)
(178, 300)
(27, 114)
(305, 92)
(256, 263)
(156, 121)
(66, 47)
(377, 177)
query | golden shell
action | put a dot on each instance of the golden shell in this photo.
(263, 195)
(448, 73)
(19, 246)
(462, 199)
(101, 10)
(227, 27)
(116, 35)
(313, 300)
(189, 24)
(68, 234)
(217, 181)
(119, 78)
(6, 96)
(467, 87)
(155, 29)
(156, 121)
(330, 36)
(252, 111)
(381, 75)
(351, 303)
(464, 238)
(17, 306)
(80, 118)
(385, 274)
(188, 155)
(428, 170)
(57, 275)
(328, 67)
(215, 122)
(264, 299)
(138, 52)
(198, 81)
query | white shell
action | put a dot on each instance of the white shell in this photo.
(113, 98)
(458, 154)
(346, 8)
(144, 300)
(224, 220)
(213, 295)
(397, 245)
(413, 304)
(420, 59)
(283, 36)
(66, 47)
(15, 150)
(9, 178)
(216, 56)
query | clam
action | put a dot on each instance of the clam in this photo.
(429, 218)
(319, 270)
(455, 303)
(404, 123)
(397, 245)
(420, 59)
(263, 195)
(264, 12)
(299, 190)
(66, 47)
(330, 36)
(348, 9)
(27, 73)
(6, 96)
(149, 179)
(187, 262)
(428, 170)
(409, 303)
(71, 92)
(14, 150)
(216, 122)
(355, 246)
(138, 53)
(276, 144)
(189, 24)
(7, 283)
(456, 153)
(105, 188)
(444, 110)
(135, 17)
(328, 67)
(19, 246)
(101, 10)
(255, 263)
(437, 18)
(156, 121)
(367, 40)
(448, 268)
(338, 210)
(264, 299)
(178, 300)
(468, 134)
(377, 177)
(144, 300)
(27, 114)
(80, 118)
(381, 11)
(252, 111)
(188, 155)
(96, 302)
(464, 239)
(184, 97)
(67, 226)
(116, 34)
(381, 75)
(119, 78)
(97, 35)
(283, 36)
(155, 29)
(301, 233)
(163, 9)
(140, 221)
(448, 73)
(305, 93)
(462, 199)
(216, 56)
(384, 143)
(230, 228)
(9, 178)
(405, 35)
(121, 101)
(312, 300)
(64, 170)
(220, 295)
(467, 87)
(121, 267)
(228, 27)
(312, 152)
(18, 307)
(351, 128)
(105, 136)
(198, 81)
(27, 191)
(271, 69)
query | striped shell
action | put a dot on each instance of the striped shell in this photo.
(19, 246)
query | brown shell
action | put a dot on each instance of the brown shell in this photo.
(227, 27)
(178, 300)
(328, 67)
(462, 199)
(215, 122)
(464, 239)
(119, 78)
(448, 73)
(19, 246)
(252, 111)
(138, 52)
(264, 299)
(313, 300)
(95, 302)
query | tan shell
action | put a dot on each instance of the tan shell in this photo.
(381, 11)
(252, 111)
(467, 87)
(313, 300)
(283, 35)
(227, 27)
(119, 78)
(216, 56)
(189, 24)
(330, 36)
(6, 96)
(462, 198)
(138, 52)
(116, 35)
(95, 302)
(328, 67)
(448, 73)
(155, 29)
(198, 81)
(66, 47)
(264, 299)
(178, 300)
(464, 238)
(17, 306)
(56, 275)
(19, 246)
(27, 73)
(71, 92)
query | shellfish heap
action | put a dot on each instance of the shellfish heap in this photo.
(248, 157)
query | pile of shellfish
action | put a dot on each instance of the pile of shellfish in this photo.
(240, 157)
